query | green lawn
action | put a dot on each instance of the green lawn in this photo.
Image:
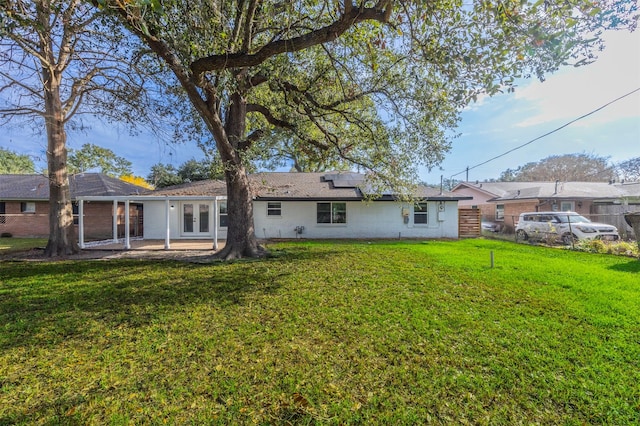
(8, 245)
(326, 333)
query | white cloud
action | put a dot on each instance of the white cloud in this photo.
(573, 92)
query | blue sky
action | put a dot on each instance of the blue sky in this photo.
(488, 128)
(496, 125)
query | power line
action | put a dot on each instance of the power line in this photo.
(466, 170)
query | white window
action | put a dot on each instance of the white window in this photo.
(28, 207)
(274, 208)
(566, 206)
(331, 213)
(223, 216)
(76, 213)
(420, 213)
(499, 211)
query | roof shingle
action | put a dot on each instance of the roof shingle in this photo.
(36, 187)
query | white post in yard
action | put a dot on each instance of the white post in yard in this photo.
(215, 224)
(115, 221)
(81, 223)
(167, 235)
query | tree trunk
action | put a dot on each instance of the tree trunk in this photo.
(62, 238)
(633, 219)
(241, 238)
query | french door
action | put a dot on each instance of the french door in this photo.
(196, 219)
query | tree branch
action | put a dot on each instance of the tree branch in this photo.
(261, 109)
(295, 44)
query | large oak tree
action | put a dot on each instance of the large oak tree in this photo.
(60, 59)
(376, 84)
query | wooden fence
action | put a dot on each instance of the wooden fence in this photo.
(469, 223)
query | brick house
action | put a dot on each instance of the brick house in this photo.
(24, 205)
(502, 202)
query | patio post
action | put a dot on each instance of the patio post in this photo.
(127, 242)
(81, 223)
(167, 235)
(115, 221)
(215, 224)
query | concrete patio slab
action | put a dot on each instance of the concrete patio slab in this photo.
(151, 245)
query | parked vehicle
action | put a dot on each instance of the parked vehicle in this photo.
(563, 226)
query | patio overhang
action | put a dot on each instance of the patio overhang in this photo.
(127, 199)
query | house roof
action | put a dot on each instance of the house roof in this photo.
(306, 186)
(508, 191)
(293, 186)
(36, 187)
(204, 187)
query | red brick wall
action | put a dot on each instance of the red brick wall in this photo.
(98, 222)
(25, 224)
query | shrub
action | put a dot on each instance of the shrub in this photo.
(621, 248)
(6, 235)
(592, 246)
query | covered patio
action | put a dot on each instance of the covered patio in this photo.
(129, 243)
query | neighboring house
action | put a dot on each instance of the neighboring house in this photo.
(24, 205)
(502, 202)
(299, 205)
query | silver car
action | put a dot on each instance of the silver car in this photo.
(564, 226)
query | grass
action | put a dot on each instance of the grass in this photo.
(9, 245)
(326, 333)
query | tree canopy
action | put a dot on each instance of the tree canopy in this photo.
(91, 156)
(629, 170)
(567, 167)
(163, 175)
(13, 163)
(376, 85)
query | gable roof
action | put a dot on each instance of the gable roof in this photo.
(505, 191)
(36, 187)
(292, 186)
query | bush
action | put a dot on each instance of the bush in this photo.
(620, 248)
(6, 235)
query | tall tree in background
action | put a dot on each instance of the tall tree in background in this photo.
(91, 156)
(14, 163)
(567, 167)
(629, 170)
(376, 84)
(163, 175)
(60, 59)
(194, 170)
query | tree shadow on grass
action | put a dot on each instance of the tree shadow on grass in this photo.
(62, 297)
(59, 299)
(632, 266)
